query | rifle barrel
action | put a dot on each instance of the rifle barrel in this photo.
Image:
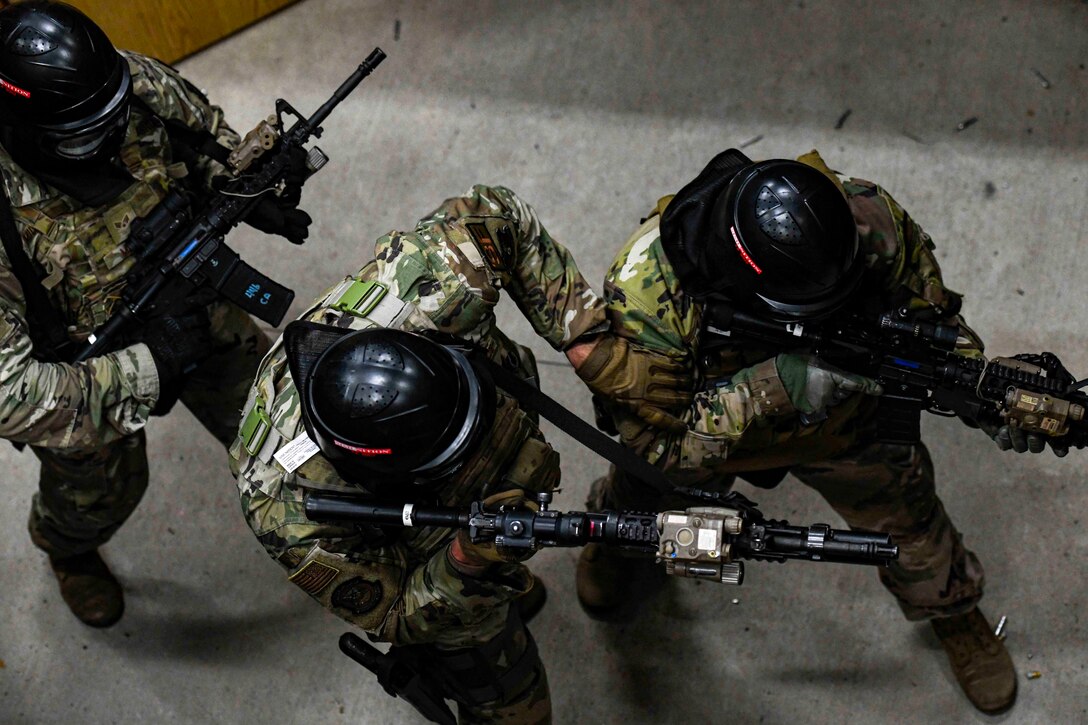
(327, 507)
(365, 68)
(820, 542)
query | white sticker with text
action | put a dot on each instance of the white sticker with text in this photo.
(295, 453)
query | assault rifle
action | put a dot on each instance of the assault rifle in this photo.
(915, 361)
(703, 542)
(179, 249)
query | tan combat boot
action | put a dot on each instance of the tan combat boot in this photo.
(532, 601)
(981, 663)
(89, 589)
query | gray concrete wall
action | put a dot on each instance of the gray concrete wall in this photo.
(592, 110)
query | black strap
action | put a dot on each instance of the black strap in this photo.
(197, 141)
(203, 142)
(623, 458)
(47, 329)
(487, 673)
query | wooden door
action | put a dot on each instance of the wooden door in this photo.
(173, 29)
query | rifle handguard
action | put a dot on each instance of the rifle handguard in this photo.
(703, 542)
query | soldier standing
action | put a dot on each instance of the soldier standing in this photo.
(92, 139)
(789, 241)
(350, 401)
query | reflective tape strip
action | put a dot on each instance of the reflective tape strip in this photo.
(390, 312)
(472, 254)
(406, 514)
(271, 443)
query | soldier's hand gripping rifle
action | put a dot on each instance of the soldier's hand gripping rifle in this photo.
(915, 361)
(704, 542)
(179, 249)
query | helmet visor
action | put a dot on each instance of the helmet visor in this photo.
(89, 143)
(99, 134)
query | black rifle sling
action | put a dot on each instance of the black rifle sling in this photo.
(196, 141)
(202, 142)
(47, 329)
(622, 457)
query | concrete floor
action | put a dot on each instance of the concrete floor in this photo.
(591, 110)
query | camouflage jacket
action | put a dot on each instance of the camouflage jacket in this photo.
(83, 254)
(726, 431)
(443, 275)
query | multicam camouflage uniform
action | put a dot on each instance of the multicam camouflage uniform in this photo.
(85, 421)
(444, 275)
(873, 486)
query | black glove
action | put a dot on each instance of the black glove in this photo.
(279, 214)
(177, 344)
(1015, 438)
(290, 223)
(1009, 437)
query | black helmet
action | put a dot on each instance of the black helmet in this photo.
(388, 406)
(63, 86)
(777, 237)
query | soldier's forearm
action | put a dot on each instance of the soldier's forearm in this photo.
(86, 405)
(439, 608)
(546, 282)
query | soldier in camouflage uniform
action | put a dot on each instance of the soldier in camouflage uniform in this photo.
(426, 587)
(82, 157)
(758, 409)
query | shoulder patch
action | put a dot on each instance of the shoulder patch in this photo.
(314, 577)
(487, 245)
(357, 595)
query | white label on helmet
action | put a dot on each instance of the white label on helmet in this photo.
(297, 452)
(406, 514)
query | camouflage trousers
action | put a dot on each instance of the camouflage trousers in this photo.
(887, 488)
(508, 666)
(84, 497)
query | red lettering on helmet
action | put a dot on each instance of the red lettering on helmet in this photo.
(14, 89)
(362, 451)
(744, 254)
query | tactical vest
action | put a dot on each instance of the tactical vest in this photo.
(81, 249)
